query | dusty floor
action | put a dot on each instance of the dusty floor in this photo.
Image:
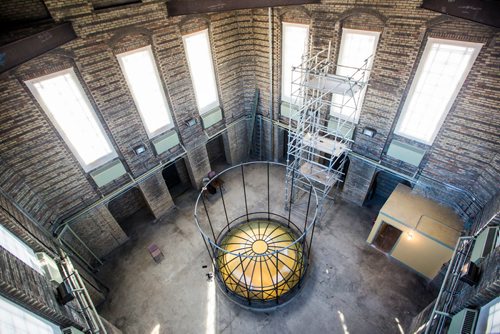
(352, 288)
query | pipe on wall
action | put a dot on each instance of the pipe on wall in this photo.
(271, 113)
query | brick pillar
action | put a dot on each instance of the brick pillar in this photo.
(198, 165)
(236, 143)
(181, 166)
(156, 194)
(99, 231)
(279, 144)
(358, 181)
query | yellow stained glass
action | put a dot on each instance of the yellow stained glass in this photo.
(259, 272)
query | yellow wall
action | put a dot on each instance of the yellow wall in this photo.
(434, 229)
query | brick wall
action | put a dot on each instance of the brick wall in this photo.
(37, 168)
(464, 153)
(155, 192)
(22, 284)
(487, 289)
(127, 204)
(40, 163)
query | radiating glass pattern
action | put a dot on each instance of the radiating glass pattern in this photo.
(253, 269)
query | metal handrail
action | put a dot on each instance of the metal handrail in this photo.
(214, 242)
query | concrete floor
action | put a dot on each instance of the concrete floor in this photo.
(352, 288)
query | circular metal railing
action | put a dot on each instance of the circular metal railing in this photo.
(259, 240)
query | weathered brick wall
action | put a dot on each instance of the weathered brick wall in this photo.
(14, 184)
(487, 289)
(358, 180)
(33, 150)
(25, 229)
(126, 204)
(22, 284)
(215, 149)
(96, 233)
(198, 165)
(236, 143)
(464, 153)
(155, 192)
(22, 11)
(180, 165)
(490, 214)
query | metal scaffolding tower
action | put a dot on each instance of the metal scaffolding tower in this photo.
(322, 122)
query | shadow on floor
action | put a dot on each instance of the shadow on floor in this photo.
(351, 288)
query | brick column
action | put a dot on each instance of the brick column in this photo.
(358, 180)
(100, 232)
(156, 194)
(198, 165)
(236, 143)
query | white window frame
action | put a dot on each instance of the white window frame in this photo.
(216, 103)
(361, 99)
(19, 249)
(86, 167)
(143, 113)
(418, 74)
(284, 98)
(23, 321)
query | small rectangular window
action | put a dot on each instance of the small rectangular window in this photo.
(199, 56)
(294, 47)
(144, 82)
(357, 50)
(439, 77)
(63, 99)
(19, 249)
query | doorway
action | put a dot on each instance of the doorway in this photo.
(216, 154)
(176, 178)
(387, 237)
(382, 186)
(128, 209)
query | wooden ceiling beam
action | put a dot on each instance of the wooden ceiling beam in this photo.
(20, 51)
(186, 7)
(481, 11)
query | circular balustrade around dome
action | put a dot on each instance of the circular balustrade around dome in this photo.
(258, 239)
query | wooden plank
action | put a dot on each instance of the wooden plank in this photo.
(186, 7)
(485, 12)
(18, 52)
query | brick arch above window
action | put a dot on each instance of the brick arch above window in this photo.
(50, 62)
(372, 17)
(446, 27)
(194, 23)
(295, 14)
(131, 38)
(362, 22)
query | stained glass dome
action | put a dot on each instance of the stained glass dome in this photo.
(258, 240)
(250, 265)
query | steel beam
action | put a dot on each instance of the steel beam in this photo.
(20, 51)
(186, 7)
(481, 11)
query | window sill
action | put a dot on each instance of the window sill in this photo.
(211, 117)
(108, 172)
(165, 141)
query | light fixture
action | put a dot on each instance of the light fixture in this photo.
(191, 122)
(470, 273)
(370, 132)
(410, 235)
(139, 149)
